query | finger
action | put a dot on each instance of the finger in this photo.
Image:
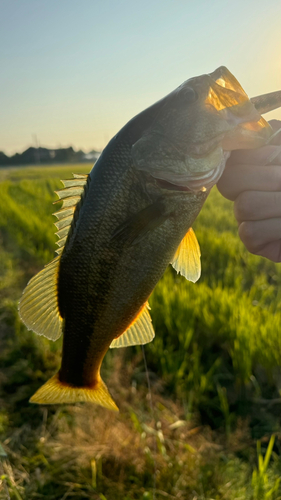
(256, 235)
(236, 179)
(257, 205)
(261, 156)
(271, 251)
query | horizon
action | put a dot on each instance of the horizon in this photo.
(51, 149)
(76, 73)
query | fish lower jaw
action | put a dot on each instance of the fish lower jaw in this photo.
(206, 181)
(202, 181)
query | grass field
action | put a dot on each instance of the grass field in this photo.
(209, 429)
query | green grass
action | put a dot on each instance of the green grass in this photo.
(214, 369)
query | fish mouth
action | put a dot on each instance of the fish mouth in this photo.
(190, 138)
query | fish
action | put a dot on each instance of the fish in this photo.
(120, 226)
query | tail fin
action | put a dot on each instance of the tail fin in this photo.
(55, 392)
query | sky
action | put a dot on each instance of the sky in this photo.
(73, 72)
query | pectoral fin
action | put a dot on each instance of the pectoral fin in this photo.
(136, 227)
(187, 257)
(140, 331)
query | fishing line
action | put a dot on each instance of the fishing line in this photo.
(153, 419)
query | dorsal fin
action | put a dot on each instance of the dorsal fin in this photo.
(139, 332)
(187, 257)
(70, 196)
(38, 307)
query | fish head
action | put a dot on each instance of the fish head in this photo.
(195, 129)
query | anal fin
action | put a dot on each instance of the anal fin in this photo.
(187, 257)
(139, 332)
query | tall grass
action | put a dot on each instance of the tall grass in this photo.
(215, 360)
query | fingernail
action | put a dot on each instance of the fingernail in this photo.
(276, 134)
(274, 155)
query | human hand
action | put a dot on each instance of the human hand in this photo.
(252, 179)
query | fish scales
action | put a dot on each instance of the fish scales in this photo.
(114, 279)
(134, 217)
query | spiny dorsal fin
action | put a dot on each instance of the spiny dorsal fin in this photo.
(187, 257)
(70, 196)
(140, 331)
(38, 307)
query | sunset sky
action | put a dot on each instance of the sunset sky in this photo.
(73, 72)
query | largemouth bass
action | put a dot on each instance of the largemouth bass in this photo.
(120, 226)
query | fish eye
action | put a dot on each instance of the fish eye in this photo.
(187, 95)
